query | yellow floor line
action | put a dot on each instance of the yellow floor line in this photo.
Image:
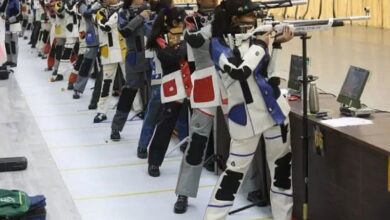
(77, 112)
(263, 218)
(59, 103)
(117, 165)
(79, 128)
(130, 194)
(106, 125)
(86, 112)
(108, 143)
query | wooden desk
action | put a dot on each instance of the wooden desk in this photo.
(351, 180)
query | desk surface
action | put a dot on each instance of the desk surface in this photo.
(375, 135)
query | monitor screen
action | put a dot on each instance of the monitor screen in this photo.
(353, 87)
(295, 72)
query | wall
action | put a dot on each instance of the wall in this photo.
(380, 11)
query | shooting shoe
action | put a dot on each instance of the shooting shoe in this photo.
(99, 118)
(258, 198)
(181, 205)
(92, 106)
(142, 153)
(115, 135)
(153, 170)
(76, 95)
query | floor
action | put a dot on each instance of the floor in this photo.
(21, 136)
(85, 175)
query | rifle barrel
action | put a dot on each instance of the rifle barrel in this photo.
(187, 6)
(325, 21)
(279, 3)
(353, 18)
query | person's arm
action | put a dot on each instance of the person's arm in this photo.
(3, 6)
(104, 23)
(194, 35)
(15, 14)
(273, 74)
(128, 25)
(89, 10)
(223, 56)
(170, 57)
(59, 9)
(167, 56)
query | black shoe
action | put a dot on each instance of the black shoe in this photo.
(56, 78)
(76, 95)
(99, 118)
(92, 106)
(258, 198)
(25, 37)
(141, 115)
(153, 170)
(209, 167)
(115, 135)
(181, 205)
(70, 86)
(116, 93)
(13, 65)
(142, 153)
(183, 147)
(33, 46)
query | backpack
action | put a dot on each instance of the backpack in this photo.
(13, 203)
(17, 205)
(4, 73)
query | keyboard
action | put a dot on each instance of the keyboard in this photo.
(363, 112)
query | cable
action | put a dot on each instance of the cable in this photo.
(322, 92)
(375, 109)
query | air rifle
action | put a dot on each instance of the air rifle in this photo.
(261, 5)
(299, 26)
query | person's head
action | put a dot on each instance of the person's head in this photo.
(157, 5)
(175, 31)
(110, 2)
(231, 15)
(207, 4)
(169, 21)
(136, 2)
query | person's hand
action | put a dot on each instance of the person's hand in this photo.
(264, 37)
(285, 36)
(145, 14)
(190, 23)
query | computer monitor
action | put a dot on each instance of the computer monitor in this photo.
(353, 87)
(295, 72)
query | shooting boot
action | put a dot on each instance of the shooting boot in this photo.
(142, 153)
(153, 170)
(115, 135)
(181, 204)
(99, 118)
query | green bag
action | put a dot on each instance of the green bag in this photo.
(13, 203)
